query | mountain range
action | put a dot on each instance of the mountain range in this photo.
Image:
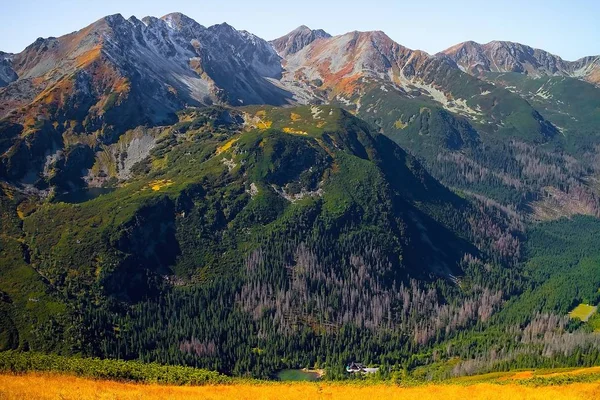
(91, 86)
(197, 195)
(498, 56)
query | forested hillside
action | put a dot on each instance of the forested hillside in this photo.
(258, 239)
(248, 247)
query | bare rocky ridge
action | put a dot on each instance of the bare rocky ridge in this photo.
(166, 63)
(501, 56)
(334, 66)
(297, 39)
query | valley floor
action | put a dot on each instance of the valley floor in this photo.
(48, 386)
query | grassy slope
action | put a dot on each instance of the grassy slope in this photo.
(432, 133)
(476, 151)
(25, 299)
(571, 104)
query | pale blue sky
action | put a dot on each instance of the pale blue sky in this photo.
(570, 29)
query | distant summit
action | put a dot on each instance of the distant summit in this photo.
(297, 39)
(502, 56)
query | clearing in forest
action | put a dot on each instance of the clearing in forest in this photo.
(583, 312)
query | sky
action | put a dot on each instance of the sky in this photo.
(570, 29)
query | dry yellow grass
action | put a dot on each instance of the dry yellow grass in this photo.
(583, 312)
(295, 131)
(522, 375)
(226, 146)
(579, 371)
(264, 125)
(400, 125)
(158, 184)
(36, 386)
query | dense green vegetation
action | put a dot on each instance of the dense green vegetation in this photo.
(501, 147)
(298, 239)
(21, 362)
(569, 103)
(532, 329)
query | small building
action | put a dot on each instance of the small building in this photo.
(355, 367)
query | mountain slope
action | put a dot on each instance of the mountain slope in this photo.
(458, 125)
(80, 91)
(247, 214)
(344, 68)
(173, 51)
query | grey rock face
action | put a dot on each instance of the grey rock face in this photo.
(297, 39)
(7, 74)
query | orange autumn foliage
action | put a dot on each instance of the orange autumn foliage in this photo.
(341, 82)
(89, 56)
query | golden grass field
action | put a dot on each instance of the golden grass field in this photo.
(47, 386)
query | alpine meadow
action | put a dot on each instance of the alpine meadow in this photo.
(185, 206)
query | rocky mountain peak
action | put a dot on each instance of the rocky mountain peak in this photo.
(176, 20)
(149, 20)
(223, 28)
(297, 39)
(505, 56)
(343, 66)
(113, 20)
(183, 24)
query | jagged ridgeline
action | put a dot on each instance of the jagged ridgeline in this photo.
(502, 120)
(253, 239)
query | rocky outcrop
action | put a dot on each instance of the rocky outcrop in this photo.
(7, 74)
(297, 39)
